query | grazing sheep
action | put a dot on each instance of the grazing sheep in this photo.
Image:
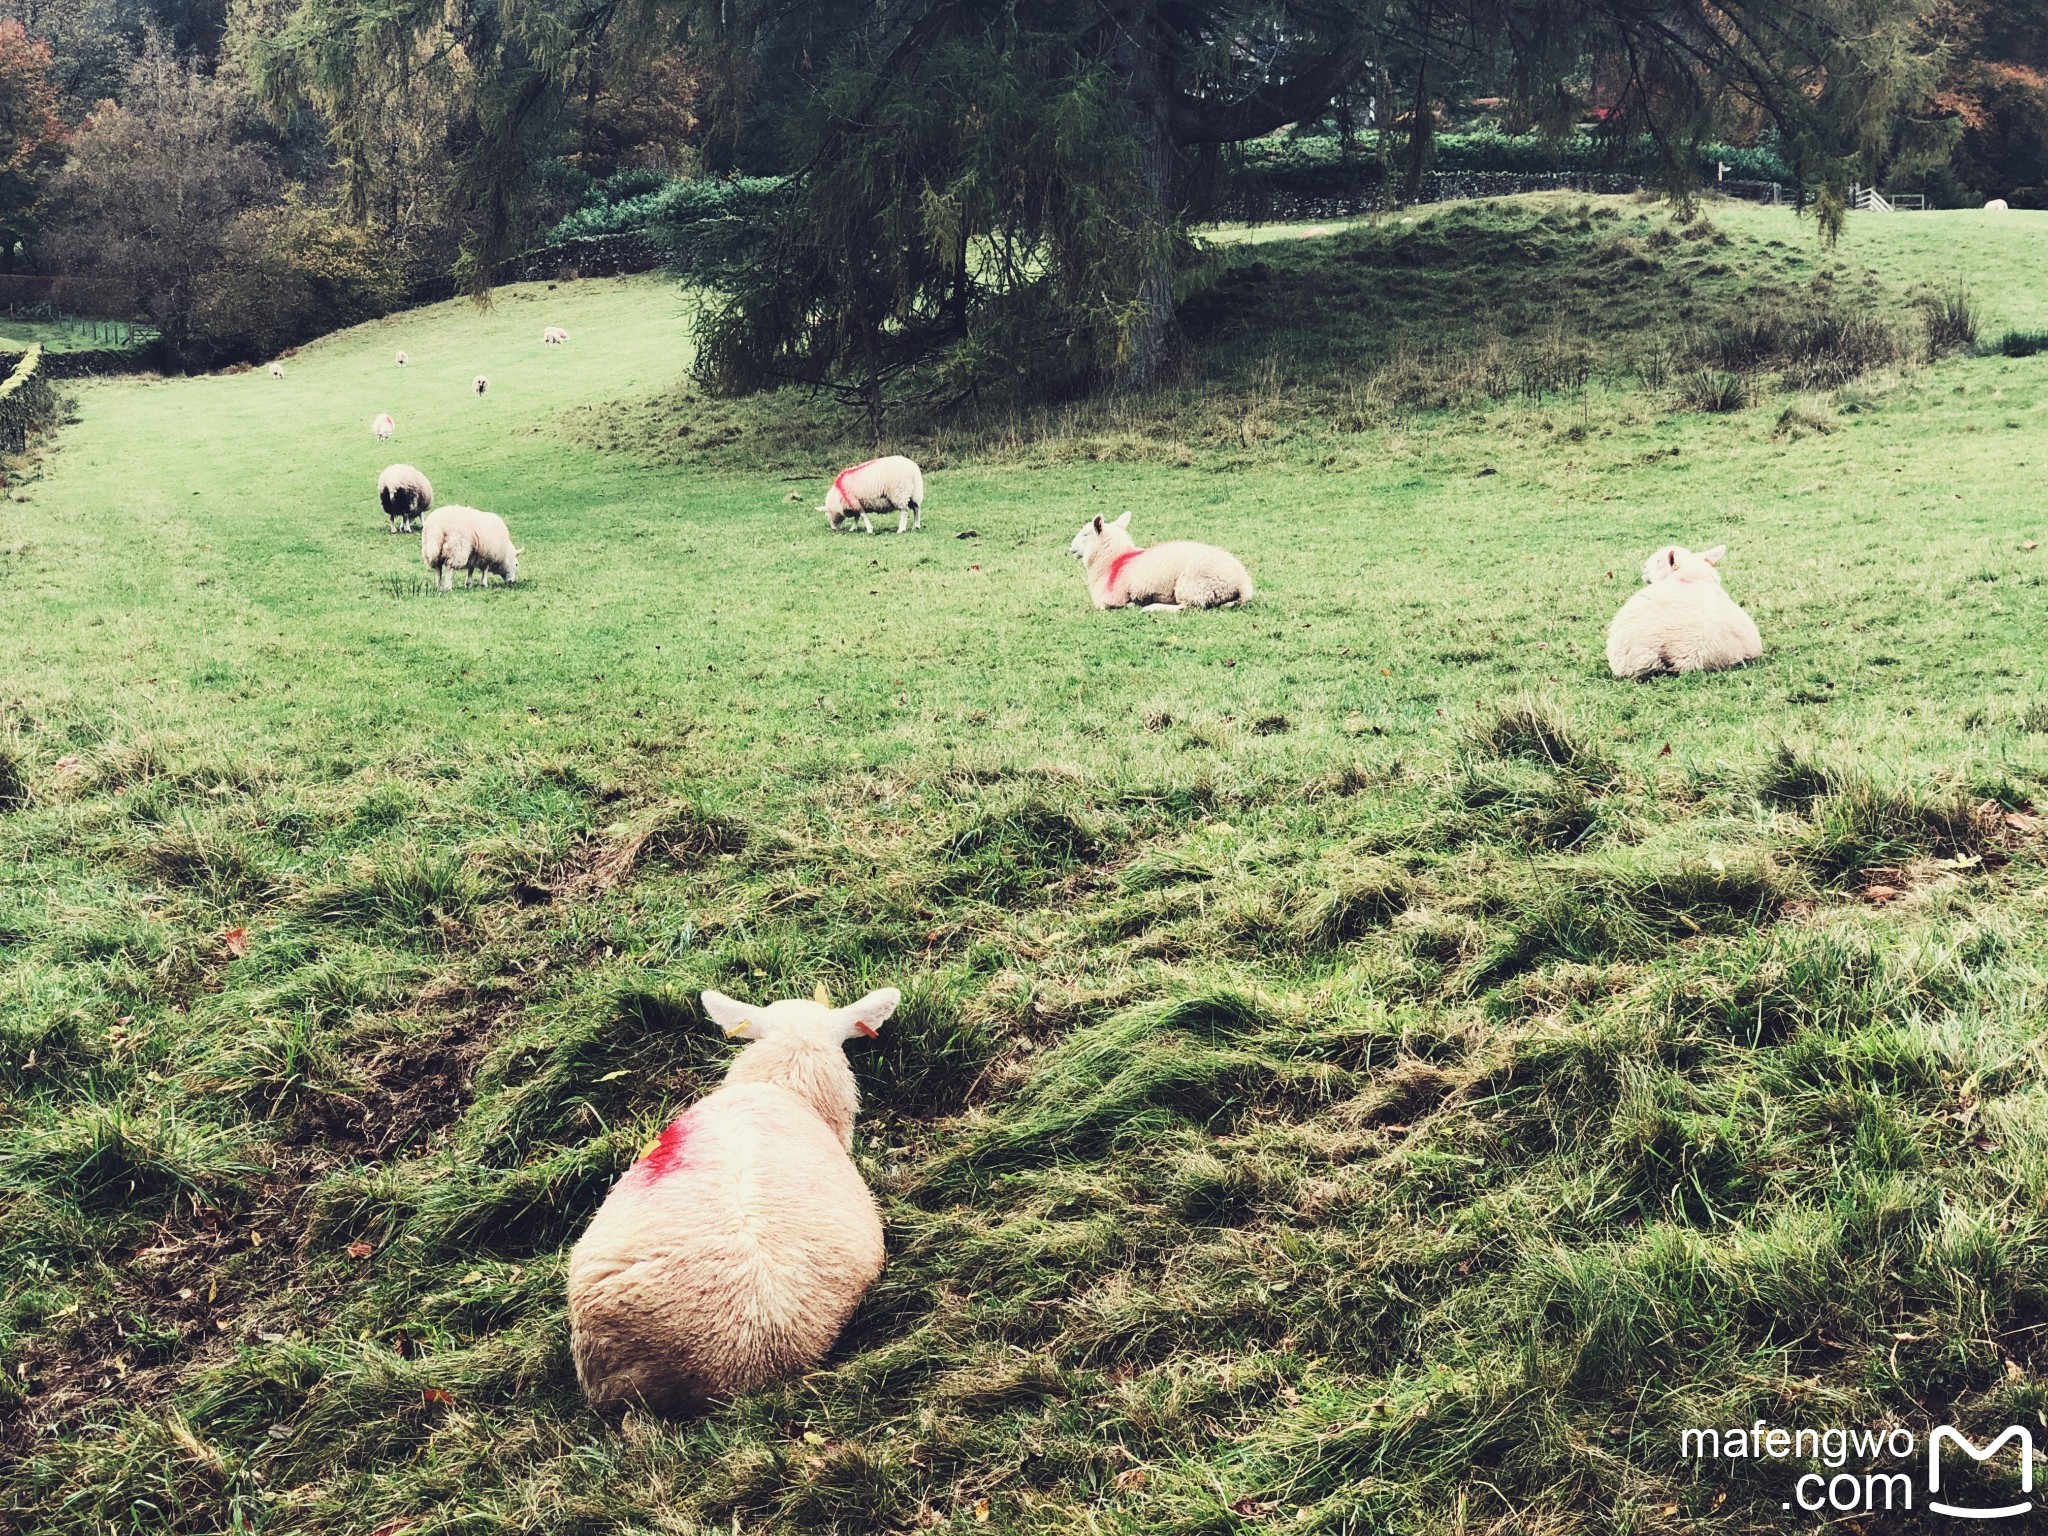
(403, 359)
(891, 484)
(406, 495)
(1682, 621)
(553, 336)
(277, 370)
(384, 427)
(733, 1252)
(480, 384)
(1997, 205)
(472, 542)
(1167, 577)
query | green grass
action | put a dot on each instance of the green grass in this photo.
(1362, 1068)
(69, 335)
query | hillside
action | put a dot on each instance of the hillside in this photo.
(1362, 1067)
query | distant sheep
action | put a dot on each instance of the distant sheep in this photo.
(1681, 621)
(734, 1251)
(480, 384)
(384, 427)
(554, 336)
(881, 485)
(472, 542)
(277, 370)
(1997, 205)
(406, 495)
(403, 359)
(1167, 577)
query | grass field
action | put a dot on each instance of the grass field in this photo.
(1363, 1069)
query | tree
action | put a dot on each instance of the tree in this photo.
(31, 137)
(153, 187)
(966, 172)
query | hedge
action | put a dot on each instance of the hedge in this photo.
(28, 402)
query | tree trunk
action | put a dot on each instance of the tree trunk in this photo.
(1420, 135)
(1140, 61)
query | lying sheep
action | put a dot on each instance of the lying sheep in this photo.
(883, 485)
(733, 1252)
(472, 542)
(403, 359)
(406, 495)
(384, 427)
(1167, 577)
(277, 370)
(480, 384)
(1681, 621)
(553, 336)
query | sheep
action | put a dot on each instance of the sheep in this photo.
(384, 427)
(480, 384)
(1166, 577)
(402, 358)
(553, 336)
(472, 542)
(1681, 621)
(1997, 205)
(277, 370)
(887, 484)
(734, 1251)
(406, 495)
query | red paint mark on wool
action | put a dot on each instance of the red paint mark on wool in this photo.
(839, 485)
(1116, 568)
(667, 1153)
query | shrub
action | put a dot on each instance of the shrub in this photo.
(2023, 343)
(1951, 322)
(1713, 390)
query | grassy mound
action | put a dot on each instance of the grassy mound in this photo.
(1362, 1068)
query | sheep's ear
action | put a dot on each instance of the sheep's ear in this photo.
(865, 1017)
(1671, 556)
(1713, 556)
(1124, 521)
(730, 1014)
(1098, 522)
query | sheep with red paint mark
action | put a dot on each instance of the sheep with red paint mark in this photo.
(1167, 577)
(1681, 620)
(892, 484)
(732, 1253)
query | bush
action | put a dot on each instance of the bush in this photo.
(1951, 323)
(2023, 343)
(288, 272)
(28, 403)
(643, 202)
(1713, 390)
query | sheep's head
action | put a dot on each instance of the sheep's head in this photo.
(804, 1020)
(512, 565)
(1676, 561)
(835, 508)
(796, 1045)
(1094, 532)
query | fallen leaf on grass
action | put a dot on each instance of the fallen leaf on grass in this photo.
(437, 1397)
(360, 1250)
(66, 764)
(1880, 893)
(236, 942)
(981, 1511)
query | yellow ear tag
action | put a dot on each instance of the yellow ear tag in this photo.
(648, 1151)
(733, 1029)
(821, 997)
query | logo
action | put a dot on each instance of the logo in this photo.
(2014, 1432)
(1868, 1471)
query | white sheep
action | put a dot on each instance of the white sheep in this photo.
(384, 427)
(406, 495)
(472, 542)
(1681, 621)
(480, 384)
(277, 370)
(1167, 577)
(1997, 205)
(734, 1251)
(403, 359)
(882, 485)
(553, 336)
